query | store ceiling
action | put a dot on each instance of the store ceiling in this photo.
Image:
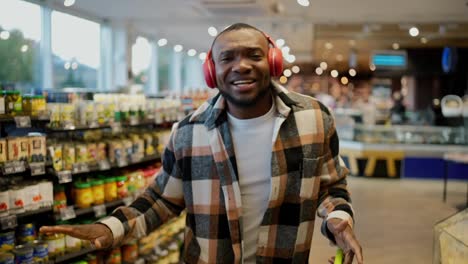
(371, 24)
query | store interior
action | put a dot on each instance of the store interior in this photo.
(89, 91)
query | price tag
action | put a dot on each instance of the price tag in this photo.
(8, 222)
(80, 168)
(127, 200)
(116, 127)
(37, 168)
(134, 120)
(13, 167)
(64, 176)
(94, 124)
(99, 210)
(67, 213)
(104, 165)
(122, 163)
(23, 121)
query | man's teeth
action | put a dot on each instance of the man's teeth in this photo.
(243, 82)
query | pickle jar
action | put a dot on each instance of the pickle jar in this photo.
(110, 189)
(83, 194)
(122, 187)
(13, 102)
(98, 191)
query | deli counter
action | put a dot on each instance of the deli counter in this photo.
(402, 150)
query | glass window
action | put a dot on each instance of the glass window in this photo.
(141, 59)
(164, 57)
(76, 51)
(20, 37)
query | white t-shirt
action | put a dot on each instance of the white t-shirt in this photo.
(252, 140)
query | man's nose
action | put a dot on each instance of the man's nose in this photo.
(242, 65)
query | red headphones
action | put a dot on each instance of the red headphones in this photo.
(275, 61)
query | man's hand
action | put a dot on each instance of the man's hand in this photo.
(346, 240)
(99, 235)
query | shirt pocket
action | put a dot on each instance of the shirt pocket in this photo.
(310, 171)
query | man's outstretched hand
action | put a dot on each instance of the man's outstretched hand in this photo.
(99, 234)
(346, 240)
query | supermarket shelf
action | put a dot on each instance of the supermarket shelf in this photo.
(90, 210)
(72, 255)
(34, 212)
(11, 119)
(120, 126)
(11, 221)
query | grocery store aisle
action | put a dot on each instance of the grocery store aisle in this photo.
(395, 219)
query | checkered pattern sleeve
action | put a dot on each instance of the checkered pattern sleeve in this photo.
(334, 198)
(162, 200)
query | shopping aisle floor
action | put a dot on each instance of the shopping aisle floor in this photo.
(395, 219)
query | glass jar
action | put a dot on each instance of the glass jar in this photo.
(84, 194)
(55, 244)
(110, 189)
(60, 198)
(115, 256)
(13, 102)
(122, 188)
(72, 244)
(27, 104)
(38, 105)
(98, 191)
(130, 252)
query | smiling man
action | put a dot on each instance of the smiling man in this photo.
(252, 167)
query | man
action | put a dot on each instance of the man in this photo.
(251, 167)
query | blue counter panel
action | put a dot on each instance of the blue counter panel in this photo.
(433, 168)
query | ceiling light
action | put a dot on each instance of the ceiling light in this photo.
(280, 43)
(212, 31)
(285, 50)
(290, 58)
(287, 73)
(24, 48)
(319, 71)
(334, 73)
(202, 56)
(67, 65)
(436, 102)
(303, 2)
(344, 80)
(4, 35)
(68, 3)
(352, 72)
(329, 45)
(178, 48)
(296, 69)
(283, 80)
(339, 57)
(191, 52)
(395, 46)
(423, 40)
(74, 66)
(162, 42)
(323, 65)
(372, 67)
(414, 31)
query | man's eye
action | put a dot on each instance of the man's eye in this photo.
(256, 56)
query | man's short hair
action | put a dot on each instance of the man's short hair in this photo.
(234, 27)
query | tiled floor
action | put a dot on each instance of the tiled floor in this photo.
(395, 218)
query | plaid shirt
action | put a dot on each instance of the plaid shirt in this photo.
(199, 174)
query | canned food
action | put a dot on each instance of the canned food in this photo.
(41, 252)
(26, 233)
(23, 254)
(7, 258)
(7, 240)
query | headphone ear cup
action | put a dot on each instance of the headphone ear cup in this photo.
(209, 71)
(275, 60)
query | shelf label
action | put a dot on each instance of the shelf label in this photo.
(135, 158)
(8, 222)
(122, 162)
(13, 167)
(99, 210)
(104, 164)
(127, 200)
(67, 213)
(37, 168)
(134, 120)
(23, 121)
(80, 168)
(64, 176)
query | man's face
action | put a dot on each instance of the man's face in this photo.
(241, 63)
